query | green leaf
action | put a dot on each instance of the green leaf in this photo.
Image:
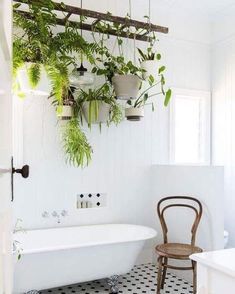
(161, 69)
(167, 97)
(34, 74)
(59, 109)
(158, 56)
(151, 80)
(16, 5)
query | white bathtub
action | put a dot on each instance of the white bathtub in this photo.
(63, 256)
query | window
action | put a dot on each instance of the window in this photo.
(190, 127)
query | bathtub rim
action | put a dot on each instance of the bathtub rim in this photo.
(152, 234)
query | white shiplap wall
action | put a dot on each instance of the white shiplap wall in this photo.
(123, 155)
(223, 86)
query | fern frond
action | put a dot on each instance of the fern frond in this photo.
(76, 145)
(34, 74)
(58, 75)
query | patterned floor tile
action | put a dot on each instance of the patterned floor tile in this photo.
(142, 279)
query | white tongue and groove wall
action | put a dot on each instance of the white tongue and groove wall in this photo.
(123, 155)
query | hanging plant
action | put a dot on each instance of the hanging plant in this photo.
(38, 43)
(135, 109)
(124, 77)
(98, 105)
(76, 145)
(149, 62)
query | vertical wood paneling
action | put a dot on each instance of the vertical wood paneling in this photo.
(122, 155)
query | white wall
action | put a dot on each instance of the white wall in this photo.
(123, 155)
(202, 182)
(223, 91)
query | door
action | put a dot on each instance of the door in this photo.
(5, 149)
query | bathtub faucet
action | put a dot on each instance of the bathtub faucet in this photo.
(64, 213)
(55, 214)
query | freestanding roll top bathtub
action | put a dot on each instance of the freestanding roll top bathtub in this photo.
(64, 256)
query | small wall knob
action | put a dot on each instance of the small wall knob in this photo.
(24, 171)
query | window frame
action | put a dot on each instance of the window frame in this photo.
(205, 125)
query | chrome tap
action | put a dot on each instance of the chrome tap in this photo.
(64, 213)
(55, 214)
(45, 214)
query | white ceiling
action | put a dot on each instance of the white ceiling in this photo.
(211, 8)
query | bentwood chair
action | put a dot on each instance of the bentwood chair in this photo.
(179, 251)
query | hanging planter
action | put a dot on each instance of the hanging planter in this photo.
(126, 86)
(98, 105)
(150, 68)
(96, 111)
(66, 111)
(149, 62)
(134, 113)
(27, 86)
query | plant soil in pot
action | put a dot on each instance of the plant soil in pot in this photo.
(126, 86)
(134, 113)
(43, 87)
(96, 111)
(65, 112)
(150, 68)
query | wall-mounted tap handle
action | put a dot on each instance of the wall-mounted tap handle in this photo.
(55, 214)
(64, 212)
(45, 214)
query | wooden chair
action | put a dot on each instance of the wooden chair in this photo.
(177, 251)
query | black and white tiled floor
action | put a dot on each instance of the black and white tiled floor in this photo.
(142, 279)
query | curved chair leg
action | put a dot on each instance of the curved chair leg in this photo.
(164, 272)
(194, 266)
(159, 275)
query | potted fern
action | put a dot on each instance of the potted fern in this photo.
(41, 49)
(149, 62)
(98, 105)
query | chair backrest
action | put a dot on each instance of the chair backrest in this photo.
(188, 202)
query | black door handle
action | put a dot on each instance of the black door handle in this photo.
(24, 171)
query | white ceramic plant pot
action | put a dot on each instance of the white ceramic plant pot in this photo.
(126, 86)
(150, 67)
(66, 112)
(43, 88)
(134, 113)
(103, 112)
